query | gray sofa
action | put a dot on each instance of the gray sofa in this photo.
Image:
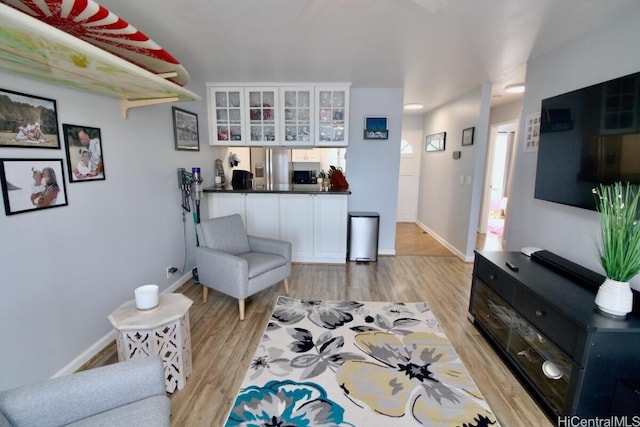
(130, 393)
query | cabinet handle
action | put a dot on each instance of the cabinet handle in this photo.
(492, 276)
(539, 313)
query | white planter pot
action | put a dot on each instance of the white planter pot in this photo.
(615, 298)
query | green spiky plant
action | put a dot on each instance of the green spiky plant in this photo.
(618, 246)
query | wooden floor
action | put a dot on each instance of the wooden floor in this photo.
(223, 346)
(413, 240)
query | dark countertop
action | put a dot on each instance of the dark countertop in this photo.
(291, 191)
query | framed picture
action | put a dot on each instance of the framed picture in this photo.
(185, 130)
(533, 131)
(375, 128)
(85, 161)
(28, 121)
(435, 142)
(32, 184)
(467, 136)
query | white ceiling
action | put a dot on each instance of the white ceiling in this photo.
(436, 50)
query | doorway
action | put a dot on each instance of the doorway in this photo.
(409, 178)
(498, 176)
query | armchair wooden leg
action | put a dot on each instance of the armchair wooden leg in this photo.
(286, 286)
(241, 307)
(205, 293)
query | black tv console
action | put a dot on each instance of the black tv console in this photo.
(540, 315)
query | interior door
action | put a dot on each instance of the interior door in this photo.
(409, 179)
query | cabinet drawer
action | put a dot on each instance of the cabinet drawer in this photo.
(547, 320)
(544, 365)
(494, 278)
(491, 312)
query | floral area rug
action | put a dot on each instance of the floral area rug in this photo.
(350, 363)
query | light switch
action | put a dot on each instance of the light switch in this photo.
(467, 180)
(461, 179)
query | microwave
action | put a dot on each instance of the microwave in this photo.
(305, 177)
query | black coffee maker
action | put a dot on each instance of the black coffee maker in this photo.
(241, 179)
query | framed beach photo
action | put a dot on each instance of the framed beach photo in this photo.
(467, 136)
(85, 161)
(185, 130)
(435, 142)
(28, 121)
(375, 128)
(32, 184)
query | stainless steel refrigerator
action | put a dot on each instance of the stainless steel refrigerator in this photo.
(271, 168)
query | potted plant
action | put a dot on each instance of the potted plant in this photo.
(618, 245)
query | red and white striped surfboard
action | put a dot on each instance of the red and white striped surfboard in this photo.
(95, 24)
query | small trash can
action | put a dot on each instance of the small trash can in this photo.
(362, 234)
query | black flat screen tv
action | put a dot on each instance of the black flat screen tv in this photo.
(587, 137)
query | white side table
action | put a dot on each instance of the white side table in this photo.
(162, 331)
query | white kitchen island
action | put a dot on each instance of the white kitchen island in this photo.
(315, 222)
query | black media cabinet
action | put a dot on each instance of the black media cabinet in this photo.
(542, 320)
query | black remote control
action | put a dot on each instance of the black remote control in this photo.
(512, 266)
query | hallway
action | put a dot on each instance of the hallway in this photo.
(413, 240)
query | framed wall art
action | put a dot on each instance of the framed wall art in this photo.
(376, 128)
(85, 161)
(28, 121)
(435, 142)
(32, 184)
(532, 126)
(185, 130)
(467, 136)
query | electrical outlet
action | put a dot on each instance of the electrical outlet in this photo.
(170, 271)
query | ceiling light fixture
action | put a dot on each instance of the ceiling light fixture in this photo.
(517, 88)
(413, 106)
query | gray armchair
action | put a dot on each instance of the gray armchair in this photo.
(130, 393)
(237, 264)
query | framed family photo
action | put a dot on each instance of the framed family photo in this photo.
(28, 121)
(185, 130)
(84, 153)
(32, 184)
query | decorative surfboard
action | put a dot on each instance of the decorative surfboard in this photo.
(95, 24)
(36, 49)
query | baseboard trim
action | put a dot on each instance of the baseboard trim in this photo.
(108, 338)
(443, 242)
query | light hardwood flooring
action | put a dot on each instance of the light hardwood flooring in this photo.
(223, 346)
(413, 240)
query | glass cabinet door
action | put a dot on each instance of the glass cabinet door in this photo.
(262, 107)
(332, 115)
(297, 117)
(227, 109)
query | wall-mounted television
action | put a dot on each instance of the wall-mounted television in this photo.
(587, 137)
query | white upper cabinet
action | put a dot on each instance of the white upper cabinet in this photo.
(306, 155)
(279, 115)
(332, 114)
(263, 112)
(297, 117)
(226, 115)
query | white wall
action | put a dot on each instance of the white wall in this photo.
(447, 208)
(506, 113)
(603, 54)
(63, 270)
(373, 165)
(412, 121)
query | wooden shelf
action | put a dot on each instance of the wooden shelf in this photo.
(32, 48)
